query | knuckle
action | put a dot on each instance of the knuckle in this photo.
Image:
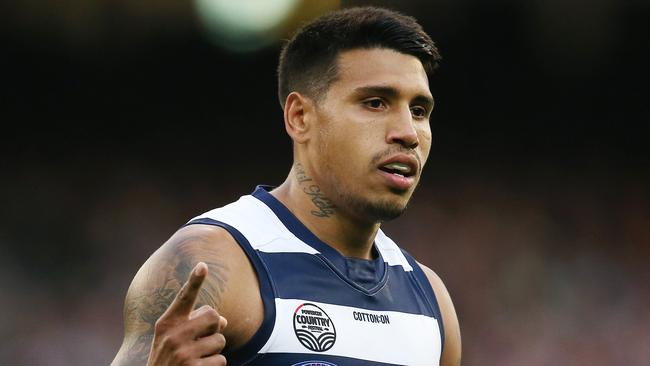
(161, 325)
(182, 356)
(171, 342)
(217, 360)
(220, 340)
(212, 314)
(217, 343)
(182, 294)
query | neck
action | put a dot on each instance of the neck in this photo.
(304, 197)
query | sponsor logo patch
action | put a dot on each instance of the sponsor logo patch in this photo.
(371, 318)
(314, 363)
(314, 329)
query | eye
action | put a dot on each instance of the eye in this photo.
(419, 112)
(375, 103)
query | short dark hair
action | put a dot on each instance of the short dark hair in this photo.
(308, 60)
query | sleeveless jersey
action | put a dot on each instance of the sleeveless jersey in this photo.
(321, 308)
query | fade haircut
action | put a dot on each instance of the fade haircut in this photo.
(308, 62)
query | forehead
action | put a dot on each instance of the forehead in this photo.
(380, 66)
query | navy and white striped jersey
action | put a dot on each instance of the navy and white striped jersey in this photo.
(321, 308)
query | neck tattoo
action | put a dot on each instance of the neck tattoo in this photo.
(324, 207)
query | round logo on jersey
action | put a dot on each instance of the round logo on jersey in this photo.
(314, 328)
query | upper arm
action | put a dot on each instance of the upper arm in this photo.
(161, 277)
(452, 348)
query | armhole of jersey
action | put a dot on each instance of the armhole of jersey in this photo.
(428, 294)
(249, 351)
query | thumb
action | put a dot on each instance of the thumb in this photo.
(223, 323)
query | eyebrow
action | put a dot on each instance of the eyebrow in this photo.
(391, 92)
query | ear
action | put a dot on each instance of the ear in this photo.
(298, 117)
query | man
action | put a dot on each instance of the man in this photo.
(302, 272)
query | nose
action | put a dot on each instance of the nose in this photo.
(401, 130)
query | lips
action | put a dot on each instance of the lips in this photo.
(399, 171)
(404, 165)
(402, 169)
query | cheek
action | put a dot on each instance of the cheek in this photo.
(349, 152)
(425, 138)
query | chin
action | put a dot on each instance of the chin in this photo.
(373, 205)
(377, 210)
(385, 211)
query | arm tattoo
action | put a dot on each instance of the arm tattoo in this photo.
(325, 207)
(143, 309)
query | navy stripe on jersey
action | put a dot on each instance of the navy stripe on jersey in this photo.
(323, 285)
(428, 293)
(249, 351)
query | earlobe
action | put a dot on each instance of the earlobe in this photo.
(297, 111)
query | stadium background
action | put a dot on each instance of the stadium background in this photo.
(123, 119)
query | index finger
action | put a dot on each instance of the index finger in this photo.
(186, 297)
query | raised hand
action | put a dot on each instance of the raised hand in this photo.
(184, 336)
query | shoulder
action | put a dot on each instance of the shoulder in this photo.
(171, 264)
(230, 287)
(452, 347)
(208, 243)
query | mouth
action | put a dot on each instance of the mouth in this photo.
(399, 171)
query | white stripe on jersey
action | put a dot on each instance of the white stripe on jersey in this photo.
(418, 343)
(259, 225)
(266, 233)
